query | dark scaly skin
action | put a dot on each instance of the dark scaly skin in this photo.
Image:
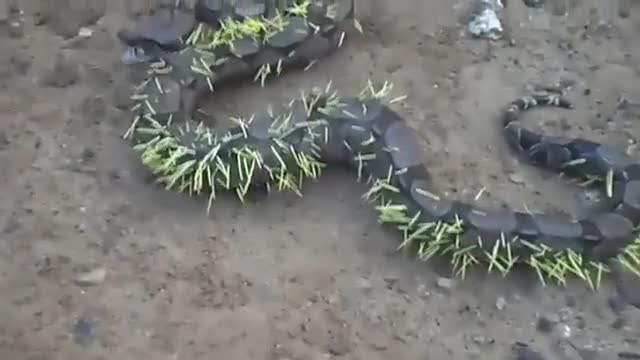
(584, 159)
(280, 151)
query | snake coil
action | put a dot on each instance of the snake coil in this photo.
(200, 49)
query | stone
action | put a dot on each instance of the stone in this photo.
(546, 323)
(516, 178)
(82, 331)
(446, 283)
(91, 278)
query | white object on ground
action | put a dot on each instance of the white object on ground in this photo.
(485, 21)
(85, 32)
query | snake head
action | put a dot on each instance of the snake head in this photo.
(162, 32)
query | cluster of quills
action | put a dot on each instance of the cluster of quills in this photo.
(200, 49)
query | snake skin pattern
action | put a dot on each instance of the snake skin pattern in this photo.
(198, 49)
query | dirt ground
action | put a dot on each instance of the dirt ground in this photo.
(96, 262)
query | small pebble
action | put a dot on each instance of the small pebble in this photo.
(501, 303)
(565, 331)
(481, 340)
(424, 293)
(446, 283)
(93, 277)
(82, 331)
(516, 178)
(547, 323)
(88, 155)
(365, 285)
(85, 32)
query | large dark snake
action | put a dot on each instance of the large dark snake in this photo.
(193, 53)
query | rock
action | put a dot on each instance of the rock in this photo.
(481, 340)
(81, 40)
(85, 32)
(62, 74)
(90, 278)
(88, 155)
(516, 178)
(390, 282)
(82, 331)
(446, 283)
(546, 323)
(423, 292)
(564, 331)
(365, 285)
(501, 303)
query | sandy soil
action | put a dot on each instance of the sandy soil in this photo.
(98, 263)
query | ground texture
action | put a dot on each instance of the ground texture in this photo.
(96, 262)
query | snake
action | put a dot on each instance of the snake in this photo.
(192, 52)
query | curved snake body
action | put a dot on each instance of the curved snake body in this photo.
(364, 132)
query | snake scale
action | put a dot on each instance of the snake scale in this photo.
(194, 51)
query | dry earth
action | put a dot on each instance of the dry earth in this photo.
(96, 262)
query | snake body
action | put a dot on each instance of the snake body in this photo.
(223, 40)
